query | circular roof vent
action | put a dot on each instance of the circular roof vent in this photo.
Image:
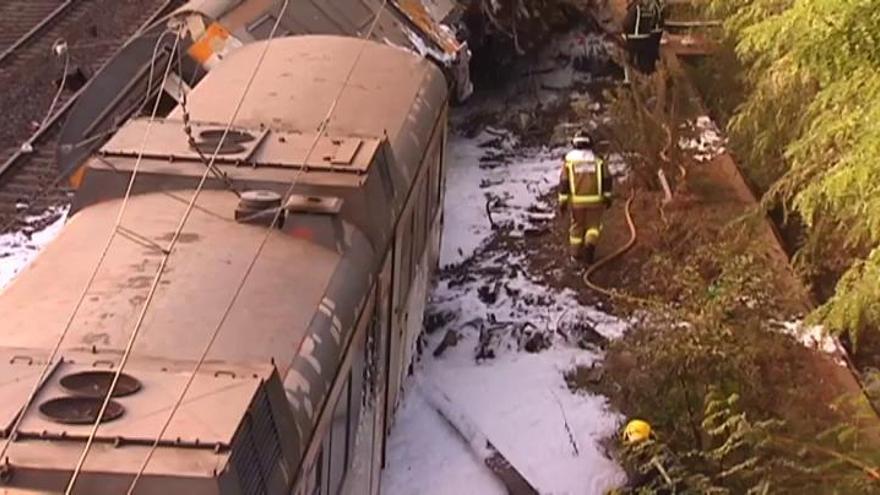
(259, 200)
(97, 384)
(80, 410)
(259, 207)
(227, 148)
(214, 135)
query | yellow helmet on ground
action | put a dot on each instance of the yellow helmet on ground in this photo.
(636, 431)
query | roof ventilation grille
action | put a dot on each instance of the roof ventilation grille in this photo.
(80, 410)
(97, 383)
(209, 139)
(90, 389)
(259, 207)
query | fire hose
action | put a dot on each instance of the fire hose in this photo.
(633, 233)
(633, 236)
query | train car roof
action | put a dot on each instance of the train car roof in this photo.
(295, 308)
(212, 256)
(301, 77)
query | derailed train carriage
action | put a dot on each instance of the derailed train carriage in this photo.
(218, 27)
(298, 389)
(213, 29)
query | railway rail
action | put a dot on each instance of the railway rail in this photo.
(29, 177)
(21, 22)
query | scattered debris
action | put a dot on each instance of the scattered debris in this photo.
(503, 349)
(501, 353)
(436, 320)
(449, 340)
(580, 329)
(812, 337)
(705, 142)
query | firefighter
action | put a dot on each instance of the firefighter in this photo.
(642, 30)
(636, 431)
(585, 190)
(644, 17)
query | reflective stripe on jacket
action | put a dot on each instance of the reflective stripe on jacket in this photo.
(583, 181)
(643, 17)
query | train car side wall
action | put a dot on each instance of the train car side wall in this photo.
(415, 267)
(346, 453)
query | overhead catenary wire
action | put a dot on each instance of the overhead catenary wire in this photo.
(163, 263)
(69, 323)
(147, 93)
(187, 128)
(322, 128)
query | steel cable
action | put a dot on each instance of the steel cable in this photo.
(44, 373)
(59, 45)
(187, 128)
(160, 271)
(320, 131)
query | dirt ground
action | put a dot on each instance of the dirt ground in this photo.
(681, 250)
(712, 201)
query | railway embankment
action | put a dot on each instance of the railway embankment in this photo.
(702, 334)
(715, 359)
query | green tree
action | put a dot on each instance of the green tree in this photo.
(810, 126)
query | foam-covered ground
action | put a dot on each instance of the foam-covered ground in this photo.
(19, 248)
(518, 399)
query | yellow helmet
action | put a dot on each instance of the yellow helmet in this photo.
(636, 431)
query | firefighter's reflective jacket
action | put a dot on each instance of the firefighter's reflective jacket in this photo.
(644, 16)
(584, 180)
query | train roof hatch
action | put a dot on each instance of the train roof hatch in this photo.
(260, 147)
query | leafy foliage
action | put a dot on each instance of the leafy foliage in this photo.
(855, 306)
(726, 394)
(741, 455)
(809, 127)
(641, 131)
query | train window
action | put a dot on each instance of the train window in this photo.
(419, 227)
(424, 214)
(314, 484)
(437, 186)
(402, 253)
(412, 259)
(441, 166)
(339, 440)
(324, 463)
(431, 177)
(358, 380)
(436, 172)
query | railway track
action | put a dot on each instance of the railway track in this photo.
(30, 75)
(21, 21)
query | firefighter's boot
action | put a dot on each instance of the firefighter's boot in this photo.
(589, 254)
